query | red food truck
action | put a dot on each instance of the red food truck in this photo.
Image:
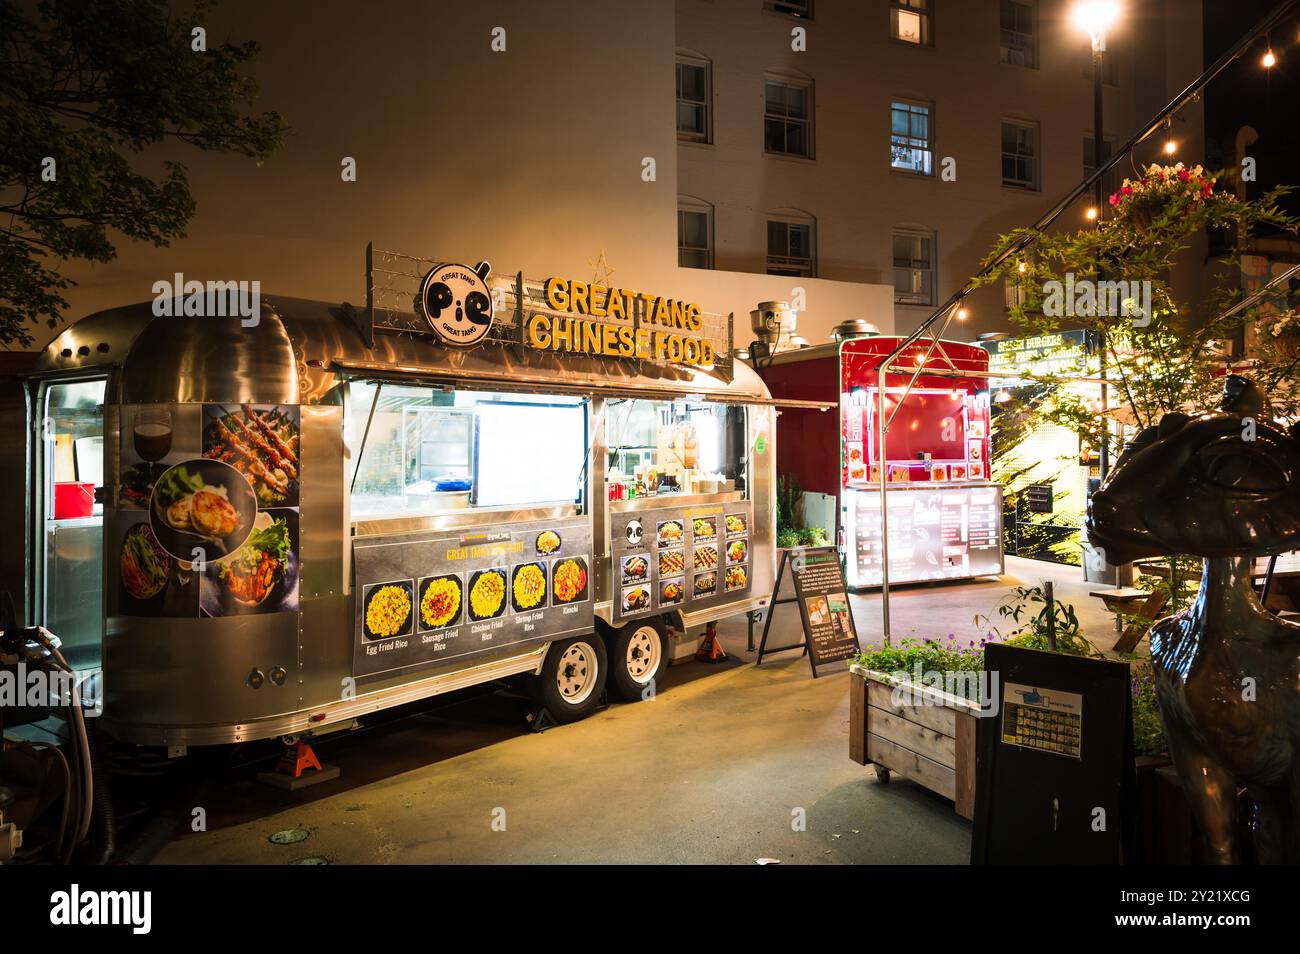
(945, 514)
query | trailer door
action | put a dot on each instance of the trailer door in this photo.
(68, 520)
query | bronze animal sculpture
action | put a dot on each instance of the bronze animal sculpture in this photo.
(1224, 486)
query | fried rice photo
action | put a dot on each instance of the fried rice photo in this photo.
(440, 602)
(570, 581)
(487, 595)
(529, 586)
(387, 611)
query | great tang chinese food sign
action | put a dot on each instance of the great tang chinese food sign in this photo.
(618, 322)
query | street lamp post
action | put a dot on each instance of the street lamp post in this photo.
(1094, 16)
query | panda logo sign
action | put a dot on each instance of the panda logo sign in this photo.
(635, 532)
(457, 303)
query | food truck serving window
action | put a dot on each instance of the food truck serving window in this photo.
(686, 446)
(432, 450)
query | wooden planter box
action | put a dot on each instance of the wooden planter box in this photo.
(932, 744)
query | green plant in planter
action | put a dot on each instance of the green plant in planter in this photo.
(789, 498)
(1027, 609)
(1148, 733)
(789, 517)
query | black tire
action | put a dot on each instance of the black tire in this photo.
(570, 661)
(882, 774)
(632, 651)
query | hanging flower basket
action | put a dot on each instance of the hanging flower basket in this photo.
(1140, 202)
(1284, 332)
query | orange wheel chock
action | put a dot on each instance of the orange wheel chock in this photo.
(298, 759)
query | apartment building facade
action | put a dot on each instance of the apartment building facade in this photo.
(889, 142)
(539, 137)
(683, 145)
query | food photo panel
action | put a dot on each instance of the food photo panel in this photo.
(441, 602)
(261, 441)
(152, 582)
(528, 587)
(262, 575)
(569, 580)
(387, 609)
(154, 438)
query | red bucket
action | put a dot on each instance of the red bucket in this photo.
(73, 499)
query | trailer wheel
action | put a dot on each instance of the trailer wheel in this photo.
(638, 657)
(572, 678)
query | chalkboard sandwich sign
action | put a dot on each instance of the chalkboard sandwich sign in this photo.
(829, 633)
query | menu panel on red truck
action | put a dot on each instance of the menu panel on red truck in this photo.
(935, 533)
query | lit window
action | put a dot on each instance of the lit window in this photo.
(787, 118)
(913, 267)
(909, 21)
(1019, 155)
(694, 236)
(911, 148)
(1016, 19)
(790, 248)
(693, 99)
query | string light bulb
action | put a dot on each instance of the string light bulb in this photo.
(1171, 147)
(961, 314)
(1270, 60)
(1091, 213)
(1020, 267)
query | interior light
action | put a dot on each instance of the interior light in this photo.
(1270, 60)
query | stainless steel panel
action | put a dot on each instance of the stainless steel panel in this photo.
(324, 660)
(672, 501)
(761, 423)
(217, 360)
(322, 518)
(180, 672)
(74, 587)
(462, 519)
(373, 700)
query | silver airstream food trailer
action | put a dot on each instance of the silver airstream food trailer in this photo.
(326, 510)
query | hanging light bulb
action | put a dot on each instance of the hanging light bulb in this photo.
(1020, 267)
(961, 314)
(1091, 213)
(1270, 60)
(1170, 147)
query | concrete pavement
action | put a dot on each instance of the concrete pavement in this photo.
(719, 768)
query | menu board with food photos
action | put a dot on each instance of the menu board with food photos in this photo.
(448, 594)
(681, 557)
(205, 510)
